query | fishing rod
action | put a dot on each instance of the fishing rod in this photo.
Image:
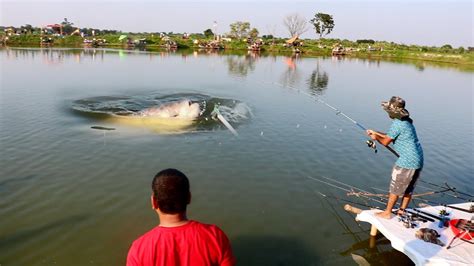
(451, 189)
(418, 197)
(346, 189)
(352, 192)
(420, 212)
(370, 143)
(448, 187)
(381, 201)
(385, 195)
(470, 210)
(348, 201)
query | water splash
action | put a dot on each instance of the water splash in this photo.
(125, 110)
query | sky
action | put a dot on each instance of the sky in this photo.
(422, 22)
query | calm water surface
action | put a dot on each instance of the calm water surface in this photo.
(72, 195)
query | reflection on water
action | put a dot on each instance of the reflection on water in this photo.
(291, 75)
(375, 251)
(318, 81)
(241, 66)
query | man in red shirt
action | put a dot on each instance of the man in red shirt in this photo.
(177, 240)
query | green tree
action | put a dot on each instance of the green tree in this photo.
(253, 33)
(208, 33)
(323, 24)
(239, 29)
(67, 26)
(461, 50)
(447, 47)
(27, 29)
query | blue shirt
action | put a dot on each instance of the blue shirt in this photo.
(406, 144)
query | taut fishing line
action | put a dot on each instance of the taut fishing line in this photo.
(370, 143)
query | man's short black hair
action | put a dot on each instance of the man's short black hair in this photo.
(171, 191)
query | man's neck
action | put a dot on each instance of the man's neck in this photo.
(172, 220)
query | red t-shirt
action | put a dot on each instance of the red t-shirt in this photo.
(191, 244)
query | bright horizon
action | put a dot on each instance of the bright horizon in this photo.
(418, 22)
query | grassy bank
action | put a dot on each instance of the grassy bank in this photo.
(359, 49)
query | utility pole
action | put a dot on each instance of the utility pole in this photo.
(214, 27)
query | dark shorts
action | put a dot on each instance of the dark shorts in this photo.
(403, 180)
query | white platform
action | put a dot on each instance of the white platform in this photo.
(420, 252)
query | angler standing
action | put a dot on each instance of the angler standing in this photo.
(407, 168)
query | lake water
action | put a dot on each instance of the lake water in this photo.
(73, 195)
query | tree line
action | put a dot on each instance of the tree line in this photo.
(296, 25)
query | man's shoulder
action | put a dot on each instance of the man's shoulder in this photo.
(146, 236)
(402, 124)
(397, 122)
(191, 226)
(208, 227)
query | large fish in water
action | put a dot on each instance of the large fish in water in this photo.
(167, 118)
(163, 114)
(184, 109)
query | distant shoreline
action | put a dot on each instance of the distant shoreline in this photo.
(459, 58)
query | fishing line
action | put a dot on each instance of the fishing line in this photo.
(439, 205)
(347, 213)
(448, 187)
(348, 201)
(344, 184)
(344, 189)
(448, 194)
(318, 99)
(340, 219)
(370, 143)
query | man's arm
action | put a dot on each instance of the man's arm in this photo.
(131, 257)
(380, 137)
(227, 257)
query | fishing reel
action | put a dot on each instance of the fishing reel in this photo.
(408, 221)
(443, 213)
(371, 144)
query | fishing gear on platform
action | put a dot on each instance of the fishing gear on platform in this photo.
(419, 197)
(429, 235)
(462, 229)
(380, 198)
(410, 220)
(470, 210)
(420, 212)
